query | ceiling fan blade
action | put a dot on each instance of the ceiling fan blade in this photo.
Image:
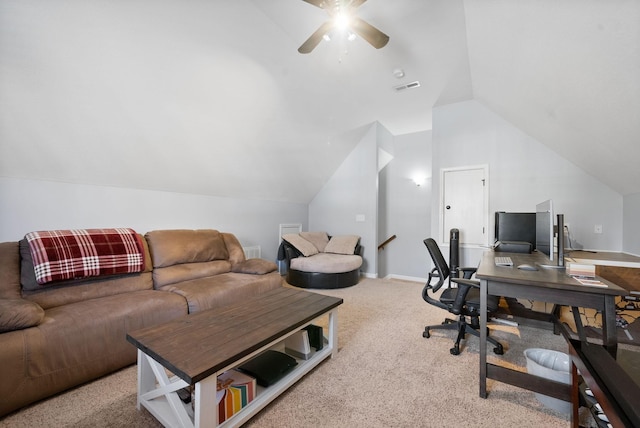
(356, 3)
(319, 3)
(371, 34)
(315, 38)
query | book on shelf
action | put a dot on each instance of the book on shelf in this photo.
(234, 391)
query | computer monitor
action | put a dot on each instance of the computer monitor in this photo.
(519, 227)
(544, 228)
(546, 232)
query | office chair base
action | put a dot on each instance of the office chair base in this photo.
(447, 324)
(498, 350)
(463, 328)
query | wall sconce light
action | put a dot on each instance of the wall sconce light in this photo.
(418, 180)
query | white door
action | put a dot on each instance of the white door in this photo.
(464, 204)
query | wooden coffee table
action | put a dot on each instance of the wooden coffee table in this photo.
(199, 347)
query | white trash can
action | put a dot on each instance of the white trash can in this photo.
(552, 365)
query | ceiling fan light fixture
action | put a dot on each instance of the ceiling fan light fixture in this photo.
(342, 21)
(346, 22)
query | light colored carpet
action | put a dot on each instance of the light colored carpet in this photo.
(385, 375)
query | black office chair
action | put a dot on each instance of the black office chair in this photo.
(463, 301)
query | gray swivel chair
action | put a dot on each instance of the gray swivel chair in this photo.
(463, 301)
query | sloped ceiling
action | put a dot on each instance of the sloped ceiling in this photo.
(568, 74)
(212, 97)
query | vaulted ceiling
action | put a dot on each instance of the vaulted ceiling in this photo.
(211, 96)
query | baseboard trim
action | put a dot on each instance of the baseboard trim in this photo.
(406, 278)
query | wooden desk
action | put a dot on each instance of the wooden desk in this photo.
(547, 285)
(620, 268)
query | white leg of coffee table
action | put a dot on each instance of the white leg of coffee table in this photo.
(146, 379)
(206, 408)
(333, 332)
(154, 383)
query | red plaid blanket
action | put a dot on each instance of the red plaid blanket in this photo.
(80, 253)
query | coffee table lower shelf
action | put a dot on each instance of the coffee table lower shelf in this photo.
(157, 392)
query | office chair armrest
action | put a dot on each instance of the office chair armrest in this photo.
(464, 285)
(469, 283)
(434, 274)
(468, 271)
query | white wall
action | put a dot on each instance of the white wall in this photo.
(406, 211)
(631, 236)
(522, 173)
(351, 191)
(383, 220)
(28, 205)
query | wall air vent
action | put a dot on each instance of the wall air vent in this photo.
(411, 85)
(253, 252)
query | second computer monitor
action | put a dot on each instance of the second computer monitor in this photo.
(519, 227)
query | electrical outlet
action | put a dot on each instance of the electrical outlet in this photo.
(597, 228)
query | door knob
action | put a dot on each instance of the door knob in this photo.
(448, 207)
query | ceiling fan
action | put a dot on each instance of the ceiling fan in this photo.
(342, 13)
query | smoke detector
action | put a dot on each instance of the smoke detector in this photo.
(398, 73)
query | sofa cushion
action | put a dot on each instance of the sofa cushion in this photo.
(224, 289)
(343, 244)
(327, 263)
(77, 343)
(171, 247)
(305, 247)
(187, 271)
(16, 314)
(255, 267)
(70, 292)
(318, 239)
(85, 335)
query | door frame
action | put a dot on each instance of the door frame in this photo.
(441, 232)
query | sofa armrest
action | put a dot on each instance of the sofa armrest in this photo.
(286, 252)
(254, 267)
(358, 250)
(16, 314)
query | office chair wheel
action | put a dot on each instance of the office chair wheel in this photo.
(426, 333)
(498, 350)
(455, 350)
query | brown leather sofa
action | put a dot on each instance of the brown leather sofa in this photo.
(74, 331)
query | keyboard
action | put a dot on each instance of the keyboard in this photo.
(503, 261)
